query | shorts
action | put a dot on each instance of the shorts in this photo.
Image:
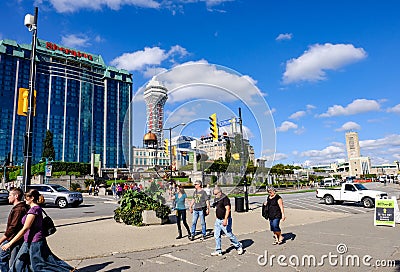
(274, 224)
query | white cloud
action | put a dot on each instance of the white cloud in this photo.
(329, 153)
(286, 125)
(297, 115)
(349, 126)
(395, 109)
(383, 150)
(313, 64)
(300, 131)
(310, 107)
(148, 57)
(355, 107)
(75, 40)
(98, 39)
(201, 80)
(74, 5)
(275, 157)
(383, 143)
(152, 71)
(302, 113)
(286, 36)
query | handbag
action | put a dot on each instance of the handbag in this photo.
(264, 211)
(48, 227)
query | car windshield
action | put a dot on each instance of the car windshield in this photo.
(3, 191)
(360, 186)
(60, 188)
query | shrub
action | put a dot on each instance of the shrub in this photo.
(134, 202)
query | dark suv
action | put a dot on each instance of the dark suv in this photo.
(55, 194)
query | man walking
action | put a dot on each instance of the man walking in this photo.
(223, 222)
(14, 225)
(200, 207)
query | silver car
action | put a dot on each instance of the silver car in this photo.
(55, 194)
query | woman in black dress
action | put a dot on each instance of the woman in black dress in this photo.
(275, 214)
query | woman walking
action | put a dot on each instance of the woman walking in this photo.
(180, 207)
(275, 213)
(34, 254)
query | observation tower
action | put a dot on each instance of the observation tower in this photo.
(155, 96)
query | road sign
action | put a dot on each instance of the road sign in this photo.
(227, 122)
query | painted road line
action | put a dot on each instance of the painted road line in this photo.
(179, 259)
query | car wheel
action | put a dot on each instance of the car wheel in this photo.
(368, 202)
(62, 203)
(329, 200)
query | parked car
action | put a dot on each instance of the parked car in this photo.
(55, 194)
(4, 196)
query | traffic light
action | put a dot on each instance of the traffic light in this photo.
(166, 146)
(214, 126)
(23, 102)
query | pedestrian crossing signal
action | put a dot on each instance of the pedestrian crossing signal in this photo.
(214, 126)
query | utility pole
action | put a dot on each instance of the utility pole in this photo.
(31, 23)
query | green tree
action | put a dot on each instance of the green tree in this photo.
(48, 147)
(228, 151)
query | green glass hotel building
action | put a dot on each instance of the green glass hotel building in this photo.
(82, 101)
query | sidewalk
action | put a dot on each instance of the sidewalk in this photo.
(96, 237)
(92, 237)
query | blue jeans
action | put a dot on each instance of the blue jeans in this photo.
(274, 224)
(218, 228)
(36, 256)
(196, 215)
(7, 257)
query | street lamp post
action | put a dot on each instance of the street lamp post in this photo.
(243, 163)
(170, 144)
(30, 22)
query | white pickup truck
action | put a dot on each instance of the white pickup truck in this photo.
(350, 192)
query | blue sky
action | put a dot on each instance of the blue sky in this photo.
(320, 68)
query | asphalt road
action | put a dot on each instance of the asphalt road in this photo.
(92, 206)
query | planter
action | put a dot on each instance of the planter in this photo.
(150, 218)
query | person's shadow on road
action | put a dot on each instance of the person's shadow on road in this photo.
(245, 244)
(288, 236)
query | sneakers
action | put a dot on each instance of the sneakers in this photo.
(216, 253)
(203, 238)
(191, 237)
(239, 251)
